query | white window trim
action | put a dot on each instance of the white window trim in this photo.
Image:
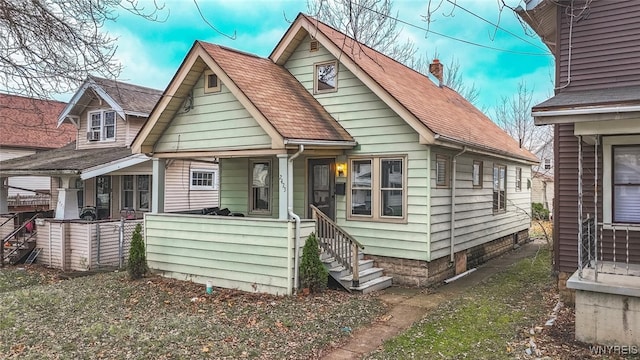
(214, 180)
(376, 189)
(102, 126)
(506, 187)
(518, 179)
(136, 192)
(208, 89)
(315, 77)
(607, 168)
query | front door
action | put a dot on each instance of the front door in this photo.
(103, 197)
(321, 186)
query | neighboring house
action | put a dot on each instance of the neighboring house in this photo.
(28, 126)
(542, 185)
(331, 130)
(98, 171)
(596, 116)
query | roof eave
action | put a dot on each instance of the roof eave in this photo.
(479, 149)
(89, 83)
(345, 144)
(548, 116)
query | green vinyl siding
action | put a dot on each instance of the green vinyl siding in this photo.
(378, 131)
(475, 221)
(239, 253)
(215, 121)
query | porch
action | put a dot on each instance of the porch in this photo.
(73, 245)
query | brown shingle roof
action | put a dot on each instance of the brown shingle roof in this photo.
(31, 123)
(132, 98)
(442, 110)
(65, 159)
(284, 102)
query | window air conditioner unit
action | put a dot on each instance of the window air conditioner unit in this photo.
(93, 135)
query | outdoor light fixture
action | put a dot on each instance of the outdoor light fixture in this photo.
(341, 169)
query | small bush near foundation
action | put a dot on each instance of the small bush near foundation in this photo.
(137, 263)
(313, 274)
(538, 211)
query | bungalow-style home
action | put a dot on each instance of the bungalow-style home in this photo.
(398, 177)
(596, 117)
(98, 178)
(28, 126)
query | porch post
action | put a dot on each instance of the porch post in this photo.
(157, 185)
(4, 195)
(284, 187)
(67, 206)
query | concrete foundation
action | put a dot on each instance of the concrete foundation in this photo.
(607, 310)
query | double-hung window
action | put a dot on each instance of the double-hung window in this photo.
(518, 179)
(136, 192)
(378, 189)
(499, 188)
(260, 195)
(101, 125)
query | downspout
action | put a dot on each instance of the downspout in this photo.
(453, 201)
(294, 216)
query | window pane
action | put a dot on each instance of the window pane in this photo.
(626, 189)
(502, 173)
(626, 204)
(96, 119)
(143, 182)
(477, 168)
(127, 182)
(260, 175)
(212, 80)
(361, 174)
(360, 202)
(392, 203)
(626, 165)
(127, 199)
(143, 199)
(392, 174)
(260, 193)
(441, 170)
(109, 118)
(326, 75)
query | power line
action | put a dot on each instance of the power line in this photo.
(496, 25)
(451, 37)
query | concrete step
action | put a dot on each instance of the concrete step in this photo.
(365, 276)
(376, 284)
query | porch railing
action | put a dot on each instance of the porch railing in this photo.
(338, 243)
(605, 249)
(19, 241)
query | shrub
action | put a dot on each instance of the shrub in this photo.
(313, 274)
(137, 263)
(538, 212)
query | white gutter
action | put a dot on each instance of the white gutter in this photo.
(294, 216)
(115, 165)
(476, 149)
(302, 142)
(587, 111)
(453, 201)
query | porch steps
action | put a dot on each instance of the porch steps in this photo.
(371, 278)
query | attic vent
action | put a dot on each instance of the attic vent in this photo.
(313, 45)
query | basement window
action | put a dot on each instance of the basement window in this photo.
(211, 82)
(325, 77)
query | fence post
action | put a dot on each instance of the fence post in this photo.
(355, 266)
(121, 243)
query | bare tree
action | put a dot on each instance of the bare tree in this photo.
(514, 116)
(370, 22)
(49, 47)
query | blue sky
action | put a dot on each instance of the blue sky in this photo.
(151, 52)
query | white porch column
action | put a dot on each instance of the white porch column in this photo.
(67, 206)
(283, 186)
(157, 185)
(4, 195)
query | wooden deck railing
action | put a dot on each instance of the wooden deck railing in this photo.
(338, 243)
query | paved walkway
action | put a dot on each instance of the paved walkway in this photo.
(408, 305)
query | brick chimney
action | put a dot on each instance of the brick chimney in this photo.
(436, 69)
